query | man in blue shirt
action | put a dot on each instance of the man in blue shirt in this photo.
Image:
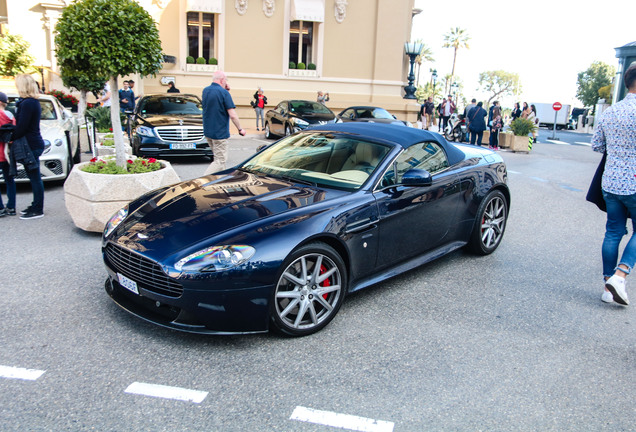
(126, 98)
(218, 110)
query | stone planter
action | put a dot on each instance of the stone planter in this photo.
(505, 139)
(519, 144)
(194, 67)
(303, 73)
(92, 199)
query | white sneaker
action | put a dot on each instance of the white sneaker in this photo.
(616, 285)
(607, 297)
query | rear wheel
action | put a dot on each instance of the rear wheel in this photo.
(309, 291)
(490, 224)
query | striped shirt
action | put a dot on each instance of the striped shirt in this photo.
(615, 134)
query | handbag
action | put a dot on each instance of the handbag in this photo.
(595, 192)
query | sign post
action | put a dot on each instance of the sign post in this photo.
(556, 107)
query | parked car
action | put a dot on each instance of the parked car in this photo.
(291, 116)
(370, 114)
(168, 125)
(59, 130)
(280, 240)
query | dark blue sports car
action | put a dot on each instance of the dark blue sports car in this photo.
(279, 240)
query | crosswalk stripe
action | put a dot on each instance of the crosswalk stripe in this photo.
(166, 392)
(343, 421)
(20, 373)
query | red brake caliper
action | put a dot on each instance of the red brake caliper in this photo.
(326, 282)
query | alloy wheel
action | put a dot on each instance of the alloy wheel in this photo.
(493, 222)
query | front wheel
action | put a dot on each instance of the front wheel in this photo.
(268, 133)
(490, 224)
(309, 291)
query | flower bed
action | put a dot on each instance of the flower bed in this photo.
(133, 166)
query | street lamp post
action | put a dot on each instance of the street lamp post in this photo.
(434, 78)
(412, 49)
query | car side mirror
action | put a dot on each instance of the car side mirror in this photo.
(417, 177)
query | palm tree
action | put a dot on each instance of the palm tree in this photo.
(426, 54)
(457, 38)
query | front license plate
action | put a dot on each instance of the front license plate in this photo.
(183, 146)
(129, 284)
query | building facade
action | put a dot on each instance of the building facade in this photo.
(353, 49)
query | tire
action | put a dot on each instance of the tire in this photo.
(490, 224)
(268, 133)
(288, 131)
(300, 309)
(449, 137)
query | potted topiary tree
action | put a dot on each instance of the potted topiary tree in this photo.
(92, 40)
(521, 128)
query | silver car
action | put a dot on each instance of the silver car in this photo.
(59, 129)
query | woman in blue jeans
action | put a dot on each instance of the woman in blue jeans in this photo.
(27, 125)
(615, 134)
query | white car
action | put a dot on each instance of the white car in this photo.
(59, 129)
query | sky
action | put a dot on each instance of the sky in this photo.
(547, 42)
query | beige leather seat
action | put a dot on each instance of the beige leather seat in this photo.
(365, 158)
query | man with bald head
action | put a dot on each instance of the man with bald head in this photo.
(218, 110)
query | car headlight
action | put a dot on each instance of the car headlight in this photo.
(145, 131)
(301, 122)
(47, 146)
(215, 258)
(59, 142)
(115, 221)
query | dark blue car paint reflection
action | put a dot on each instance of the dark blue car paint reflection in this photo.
(377, 226)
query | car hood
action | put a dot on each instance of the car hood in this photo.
(314, 118)
(171, 120)
(190, 212)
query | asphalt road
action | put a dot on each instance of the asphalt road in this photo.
(518, 340)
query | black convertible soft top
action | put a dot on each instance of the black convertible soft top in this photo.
(400, 135)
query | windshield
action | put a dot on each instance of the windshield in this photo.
(308, 107)
(370, 112)
(322, 159)
(171, 105)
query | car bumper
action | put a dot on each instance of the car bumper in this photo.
(50, 170)
(224, 311)
(159, 148)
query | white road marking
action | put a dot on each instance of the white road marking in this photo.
(583, 143)
(20, 373)
(513, 172)
(343, 421)
(558, 142)
(166, 392)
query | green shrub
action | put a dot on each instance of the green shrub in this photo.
(201, 60)
(522, 127)
(301, 65)
(213, 61)
(102, 118)
(190, 60)
(292, 65)
(311, 66)
(136, 166)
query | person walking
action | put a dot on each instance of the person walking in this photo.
(532, 116)
(448, 108)
(27, 125)
(473, 104)
(172, 88)
(429, 112)
(218, 110)
(615, 135)
(438, 111)
(6, 117)
(525, 112)
(104, 99)
(496, 125)
(477, 117)
(126, 98)
(259, 102)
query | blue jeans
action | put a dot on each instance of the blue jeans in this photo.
(619, 208)
(9, 182)
(37, 186)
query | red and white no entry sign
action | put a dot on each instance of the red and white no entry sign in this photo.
(557, 106)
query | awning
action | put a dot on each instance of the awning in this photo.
(308, 10)
(208, 6)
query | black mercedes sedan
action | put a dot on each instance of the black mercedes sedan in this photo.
(370, 114)
(280, 240)
(168, 125)
(291, 116)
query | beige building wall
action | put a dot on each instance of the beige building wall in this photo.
(360, 60)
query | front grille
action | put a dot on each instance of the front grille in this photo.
(55, 166)
(147, 273)
(180, 133)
